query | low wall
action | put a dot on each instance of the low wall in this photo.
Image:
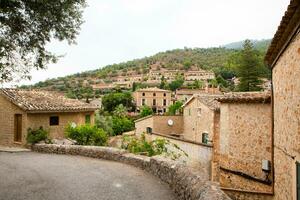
(159, 124)
(196, 151)
(186, 183)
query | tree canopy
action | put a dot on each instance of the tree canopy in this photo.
(27, 26)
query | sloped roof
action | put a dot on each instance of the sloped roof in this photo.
(152, 89)
(287, 29)
(44, 101)
(246, 97)
(209, 100)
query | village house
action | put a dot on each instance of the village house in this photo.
(243, 151)
(201, 118)
(283, 57)
(157, 99)
(23, 109)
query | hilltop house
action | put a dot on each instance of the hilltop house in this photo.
(23, 109)
(283, 57)
(184, 94)
(157, 99)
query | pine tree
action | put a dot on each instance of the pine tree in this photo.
(249, 69)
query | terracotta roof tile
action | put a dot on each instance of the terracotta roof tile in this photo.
(246, 97)
(288, 27)
(44, 101)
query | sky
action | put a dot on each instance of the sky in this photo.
(120, 30)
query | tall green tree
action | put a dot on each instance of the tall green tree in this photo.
(27, 26)
(112, 100)
(249, 69)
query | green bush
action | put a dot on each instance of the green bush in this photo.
(155, 147)
(145, 111)
(121, 125)
(37, 135)
(87, 135)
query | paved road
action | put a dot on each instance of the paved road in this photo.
(34, 176)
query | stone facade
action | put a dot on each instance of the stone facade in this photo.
(198, 118)
(245, 140)
(187, 183)
(286, 89)
(157, 99)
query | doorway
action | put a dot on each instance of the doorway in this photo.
(18, 128)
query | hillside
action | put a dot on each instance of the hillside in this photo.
(220, 60)
(258, 44)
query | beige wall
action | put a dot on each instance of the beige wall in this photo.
(197, 119)
(159, 124)
(286, 83)
(7, 127)
(37, 120)
(245, 140)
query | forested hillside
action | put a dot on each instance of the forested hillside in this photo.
(221, 60)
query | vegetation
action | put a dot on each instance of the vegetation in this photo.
(175, 108)
(145, 111)
(36, 135)
(112, 100)
(153, 148)
(121, 125)
(249, 69)
(26, 27)
(86, 134)
(223, 61)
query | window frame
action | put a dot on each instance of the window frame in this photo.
(51, 123)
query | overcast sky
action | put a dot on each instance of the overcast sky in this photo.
(120, 30)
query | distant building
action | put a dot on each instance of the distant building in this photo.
(185, 94)
(23, 109)
(157, 99)
(283, 57)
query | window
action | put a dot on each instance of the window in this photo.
(88, 119)
(165, 102)
(143, 102)
(298, 179)
(165, 94)
(199, 112)
(165, 110)
(54, 121)
(189, 112)
(143, 94)
(154, 102)
(154, 94)
(205, 138)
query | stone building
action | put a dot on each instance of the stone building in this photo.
(185, 94)
(201, 118)
(157, 99)
(283, 57)
(243, 151)
(23, 109)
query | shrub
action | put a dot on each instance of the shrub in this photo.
(37, 135)
(87, 135)
(105, 123)
(145, 111)
(152, 148)
(121, 125)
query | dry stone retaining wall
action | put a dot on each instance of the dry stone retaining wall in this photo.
(186, 183)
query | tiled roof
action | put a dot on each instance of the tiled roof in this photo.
(44, 101)
(152, 89)
(246, 97)
(209, 100)
(288, 27)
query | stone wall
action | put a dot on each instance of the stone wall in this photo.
(245, 140)
(286, 89)
(188, 184)
(159, 124)
(196, 151)
(7, 121)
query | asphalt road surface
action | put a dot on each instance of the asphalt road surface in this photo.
(34, 176)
